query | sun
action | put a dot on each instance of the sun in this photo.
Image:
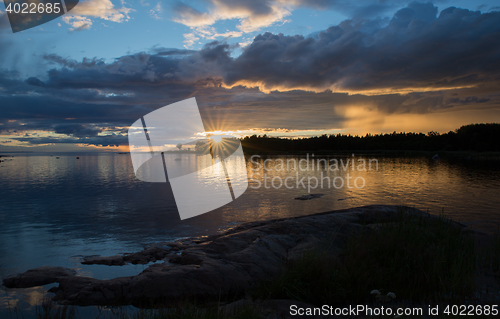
(216, 138)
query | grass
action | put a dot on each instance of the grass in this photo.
(191, 312)
(418, 258)
(492, 255)
(181, 310)
(50, 310)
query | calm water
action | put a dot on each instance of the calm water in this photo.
(54, 210)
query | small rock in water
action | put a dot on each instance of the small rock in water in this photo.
(309, 196)
(344, 198)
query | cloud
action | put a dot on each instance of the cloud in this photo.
(416, 51)
(208, 33)
(190, 39)
(156, 11)
(77, 23)
(97, 141)
(34, 81)
(79, 17)
(62, 131)
(103, 9)
(77, 130)
(253, 16)
(191, 17)
(440, 65)
(21, 22)
(366, 9)
(258, 14)
(172, 51)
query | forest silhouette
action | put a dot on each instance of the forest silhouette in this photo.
(472, 137)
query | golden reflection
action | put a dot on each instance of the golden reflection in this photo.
(32, 296)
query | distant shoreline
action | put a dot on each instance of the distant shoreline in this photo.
(454, 155)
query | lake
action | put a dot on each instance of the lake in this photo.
(56, 209)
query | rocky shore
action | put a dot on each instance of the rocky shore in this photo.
(225, 264)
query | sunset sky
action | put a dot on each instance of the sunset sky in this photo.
(283, 68)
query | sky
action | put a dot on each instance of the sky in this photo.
(284, 68)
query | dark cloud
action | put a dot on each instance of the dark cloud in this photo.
(468, 100)
(172, 51)
(358, 9)
(184, 9)
(70, 63)
(268, 9)
(416, 50)
(77, 130)
(98, 141)
(35, 81)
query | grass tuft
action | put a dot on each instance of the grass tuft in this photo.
(189, 311)
(419, 258)
(50, 310)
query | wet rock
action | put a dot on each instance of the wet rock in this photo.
(341, 199)
(150, 254)
(110, 261)
(272, 309)
(217, 265)
(38, 277)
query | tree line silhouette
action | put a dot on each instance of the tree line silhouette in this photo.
(472, 137)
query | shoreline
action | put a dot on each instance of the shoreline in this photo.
(223, 264)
